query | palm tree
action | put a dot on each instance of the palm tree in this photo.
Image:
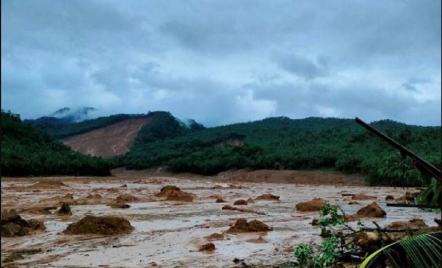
(419, 251)
(399, 171)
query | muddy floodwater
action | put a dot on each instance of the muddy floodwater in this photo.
(169, 233)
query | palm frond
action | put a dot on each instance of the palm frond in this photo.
(419, 251)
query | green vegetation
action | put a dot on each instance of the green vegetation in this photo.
(162, 125)
(283, 143)
(274, 143)
(423, 250)
(330, 251)
(29, 152)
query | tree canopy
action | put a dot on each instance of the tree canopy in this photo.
(27, 151)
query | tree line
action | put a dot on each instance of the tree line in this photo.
(303, 144)
(27, 151)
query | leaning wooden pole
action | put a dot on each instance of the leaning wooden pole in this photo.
(420, 163)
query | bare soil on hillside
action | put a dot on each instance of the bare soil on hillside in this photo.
(172, 233)
(112, 140)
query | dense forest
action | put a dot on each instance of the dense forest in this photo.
(26, 151)
(273, 143)
(283, 143)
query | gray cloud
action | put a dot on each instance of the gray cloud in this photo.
(301, 66)
(222, 62)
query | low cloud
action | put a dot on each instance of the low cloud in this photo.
(301, 66)
(226, 61)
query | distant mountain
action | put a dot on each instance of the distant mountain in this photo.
(160, 139)
(113, 135)
(69, 115)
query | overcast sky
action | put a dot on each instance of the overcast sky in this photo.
(221, 62)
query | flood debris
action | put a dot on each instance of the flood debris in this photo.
(268, 197)
(242, 226)
(18, 254)
(12, 224)
(371, 211)
(37, 211)
(99, 225)
(259, 240)
(94, 196)
(47, 184)
(173, 193)
(64, 210)
(119, 205)
(112, 190)
(126, 198)
(220, 200)
(362, 196)
(229, 207)
(168, 190)
(240, 202)
(215, 236)
(207, 247)
(405, 225)
(313, 205)
(389, 198)
(408, 197)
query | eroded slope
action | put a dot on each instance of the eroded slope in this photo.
(109, 141)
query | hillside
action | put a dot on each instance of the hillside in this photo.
(159, 139)
(29, 152)
(283, 143)
(108, 141)
(59, 128)
(114, 135)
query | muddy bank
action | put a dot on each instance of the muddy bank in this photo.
(170, 233)
(290, 176)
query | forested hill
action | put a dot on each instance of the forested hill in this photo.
(272, 143)
(283, 143)
(60, 128)
(26, 151)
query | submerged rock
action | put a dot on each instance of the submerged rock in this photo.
(313, 205)
(13, 224)
(362, 197)
(240, 202)
(100, 225)
(403, 225)
(268, 197)
(242, 226)
(126, 198)
(371, 211)
(173, 193)
(220, 200)
(64, 210)
(389, 198)
(207, 247)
